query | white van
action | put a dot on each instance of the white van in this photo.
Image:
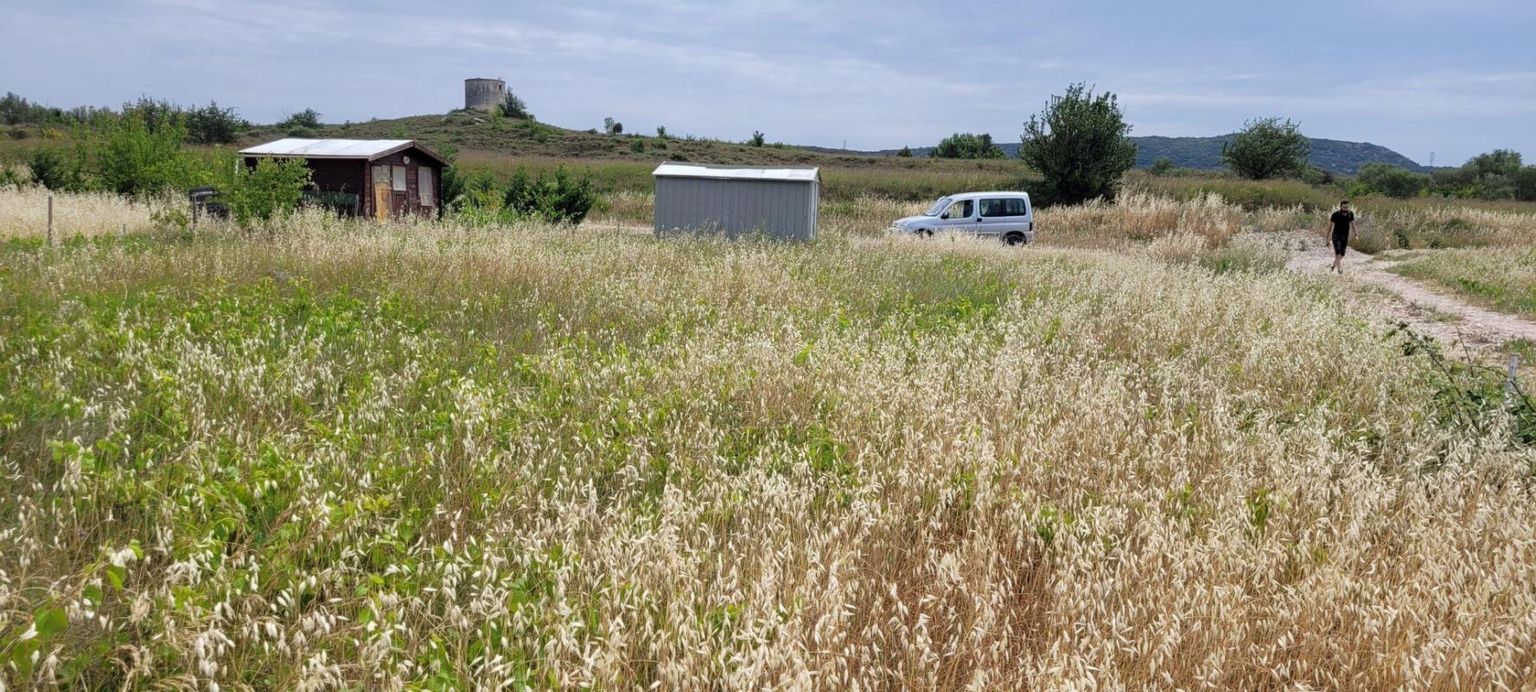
(1006, 216)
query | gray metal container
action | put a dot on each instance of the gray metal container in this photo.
(780, 203)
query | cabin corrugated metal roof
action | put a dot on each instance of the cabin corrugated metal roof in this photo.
(694, 170)
(334, 148)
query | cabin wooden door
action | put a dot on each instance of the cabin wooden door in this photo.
(383, 196)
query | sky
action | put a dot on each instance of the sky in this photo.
(1424, 77)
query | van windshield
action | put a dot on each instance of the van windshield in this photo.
(938, 207)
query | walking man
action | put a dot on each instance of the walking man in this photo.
(1338, 226)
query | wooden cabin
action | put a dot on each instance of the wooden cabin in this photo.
(372, 178)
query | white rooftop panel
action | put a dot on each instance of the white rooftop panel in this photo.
(688, 170)
(328, 148)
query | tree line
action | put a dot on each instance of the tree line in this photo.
(210, 124)
(1080, 145)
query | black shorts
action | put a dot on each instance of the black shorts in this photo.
(1340, 243)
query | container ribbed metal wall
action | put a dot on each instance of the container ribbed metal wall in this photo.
(786, 210)
(484, 94)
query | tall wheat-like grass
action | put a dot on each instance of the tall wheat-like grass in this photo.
(24, 213)
(1447, 226)
(438, 456)
(1139, 216)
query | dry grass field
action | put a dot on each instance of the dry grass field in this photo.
(341, 455)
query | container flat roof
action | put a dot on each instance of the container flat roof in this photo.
(335, 148)
(694, 170)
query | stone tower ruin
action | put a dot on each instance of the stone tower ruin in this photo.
(481, 94)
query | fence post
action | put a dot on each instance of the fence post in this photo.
(1509, 384)
(50, 220)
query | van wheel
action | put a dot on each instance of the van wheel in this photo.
(1014, 239)
(925, 232)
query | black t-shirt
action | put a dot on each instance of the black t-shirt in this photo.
(1341, 221)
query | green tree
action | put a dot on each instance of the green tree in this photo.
(513, 107)
(1500, 162)
(906, 152)
(301, 124)
(1162, 166)
(1525, 184)
(1494, 174)
(156, 114)
(213, 125)
(613, 127)
(964, 145)
(1392, 181)
(1267, 148)
(757, 139)
(136, 158)
(1080, 145)
(661, 131)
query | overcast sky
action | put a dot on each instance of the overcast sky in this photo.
(1451, 77)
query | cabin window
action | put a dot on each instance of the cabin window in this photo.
(398, 178)
(424, 186)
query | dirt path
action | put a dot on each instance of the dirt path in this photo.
(1448, 319)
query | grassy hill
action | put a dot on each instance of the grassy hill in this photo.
(1204, 153)
(620, 163)
(474, 132)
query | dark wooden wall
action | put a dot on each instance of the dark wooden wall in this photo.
(355, 176)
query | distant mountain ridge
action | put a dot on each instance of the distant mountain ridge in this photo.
(1204, 153)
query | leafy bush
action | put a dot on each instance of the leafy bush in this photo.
(453, 186)
(271, 190)
(1392, 181)
(1267, 148)
(213, 125)
(906, 152)
(1316, 175)
(1079, 144)
(1162, 166)
(557, 198)
(964, 145)
(56, 171)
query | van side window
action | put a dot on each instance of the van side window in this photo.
(960, 210)
(1004, 207)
